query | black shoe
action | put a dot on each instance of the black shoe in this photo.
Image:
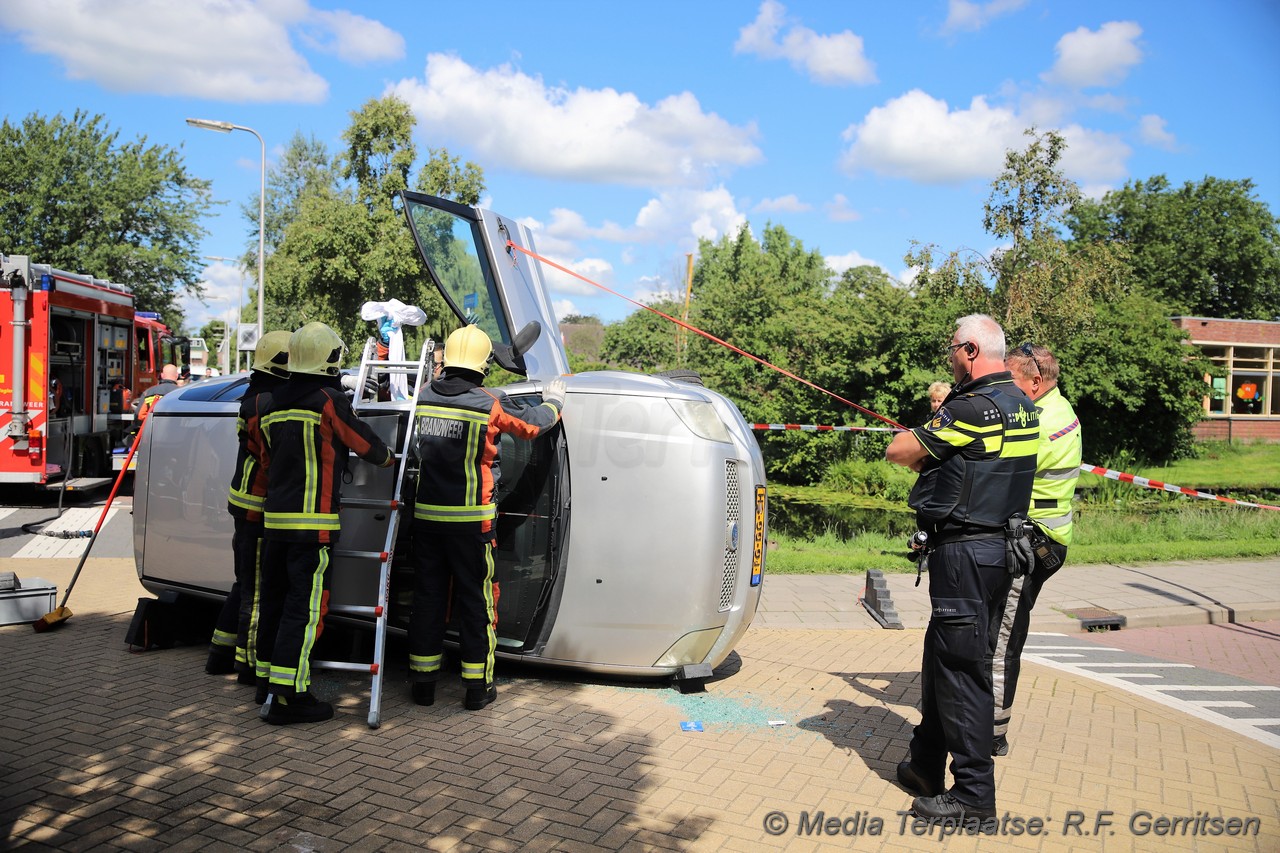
(260, 695)
(915, 783)
(424, 692)
(1000, 745)
(247, 676)
(479, 697)
(299, 708)
(945, 806)
(220, 663)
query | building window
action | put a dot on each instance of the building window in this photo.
(1250, 382)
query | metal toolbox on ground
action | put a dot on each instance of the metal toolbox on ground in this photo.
(28, 602)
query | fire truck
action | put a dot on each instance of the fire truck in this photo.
(73, 355)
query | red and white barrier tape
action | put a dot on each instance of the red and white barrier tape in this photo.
(824, 428)
(1167, 487)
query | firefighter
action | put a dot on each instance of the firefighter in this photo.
(456, 430)
(308, 434)
(149, 397)
(234, 644)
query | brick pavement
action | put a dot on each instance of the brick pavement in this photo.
(104, 749)
(1250, 650)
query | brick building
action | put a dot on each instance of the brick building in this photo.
(1244, 403)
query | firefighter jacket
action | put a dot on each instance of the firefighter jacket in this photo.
(249, 480)
(981, 459)
(1057, 466)
(457, 424)
(307, 434)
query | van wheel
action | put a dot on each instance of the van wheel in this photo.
(682, 375)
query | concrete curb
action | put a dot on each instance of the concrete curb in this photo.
(1055, 621)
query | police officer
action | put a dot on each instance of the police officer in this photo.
(457, 425)
(234, 642)
(1035, 371)
(976, 460)
(308, 433)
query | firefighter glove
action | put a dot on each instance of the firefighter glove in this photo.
(554, 394)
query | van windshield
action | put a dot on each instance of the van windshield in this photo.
(450, 241)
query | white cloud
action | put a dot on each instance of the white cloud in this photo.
(1152, 129)
(782, 204)
(838, 209)
(353, 38)
(850, 260)
(964, 16)
(225, 50)
(686, 216)
(1096, 58)
(594, 135)
(918, 137)
(651, 290)
(563, 308)
(833, 60)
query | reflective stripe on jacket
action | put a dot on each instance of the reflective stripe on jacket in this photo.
(1057, 466)
(456, 429)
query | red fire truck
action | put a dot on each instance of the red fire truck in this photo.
(73, 355)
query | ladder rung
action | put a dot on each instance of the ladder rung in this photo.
(355, 609)
(380, 556)
(371, 668)
(369, 503)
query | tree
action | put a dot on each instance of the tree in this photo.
(74, 196)
(348, 244)
(1210, 248)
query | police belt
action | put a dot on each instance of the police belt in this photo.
(947, 539)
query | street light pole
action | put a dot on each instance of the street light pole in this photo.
(239, 308)
(227, 127)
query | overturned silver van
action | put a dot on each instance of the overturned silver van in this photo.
(631, 539)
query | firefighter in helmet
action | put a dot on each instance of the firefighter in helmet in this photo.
(457, 423)
(308, 434)
(234, 644)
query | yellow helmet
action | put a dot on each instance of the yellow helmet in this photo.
(316, 349)
(468, 348)
(272, 354)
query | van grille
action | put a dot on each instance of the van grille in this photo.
(732, 514)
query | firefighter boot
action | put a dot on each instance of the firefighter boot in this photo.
(221, 661)
(478, 697)
(299, 708)
(424, 692)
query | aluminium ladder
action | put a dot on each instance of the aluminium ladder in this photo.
(369, 365)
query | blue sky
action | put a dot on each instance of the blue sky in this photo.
(623, 132)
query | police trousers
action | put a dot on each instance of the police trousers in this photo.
(968, 583)
(1014, 624)
(292, 602)
(466, 560)
(237, 625)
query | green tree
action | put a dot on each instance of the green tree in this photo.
(348, 244)
(73, 195)
(1210, 248)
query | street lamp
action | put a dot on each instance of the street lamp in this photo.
(239, 306)
(227, 127)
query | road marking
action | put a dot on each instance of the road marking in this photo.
(77, 519)
(1163, 694)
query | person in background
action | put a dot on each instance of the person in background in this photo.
(233, 647)
(456, 430)
(938, 392)
(976, 459)
(309, 433)
(1035, 371)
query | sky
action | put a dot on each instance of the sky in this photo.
(623, 133)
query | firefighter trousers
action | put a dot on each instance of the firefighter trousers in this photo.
(237, 629)
(968, 583)
(1014, 624)
(292, 601)
(467, 560)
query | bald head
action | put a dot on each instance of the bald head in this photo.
(170, 372)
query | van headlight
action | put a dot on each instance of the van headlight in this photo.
(701, 419)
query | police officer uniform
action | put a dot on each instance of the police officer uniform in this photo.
(1057, 470)
(980, 462)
